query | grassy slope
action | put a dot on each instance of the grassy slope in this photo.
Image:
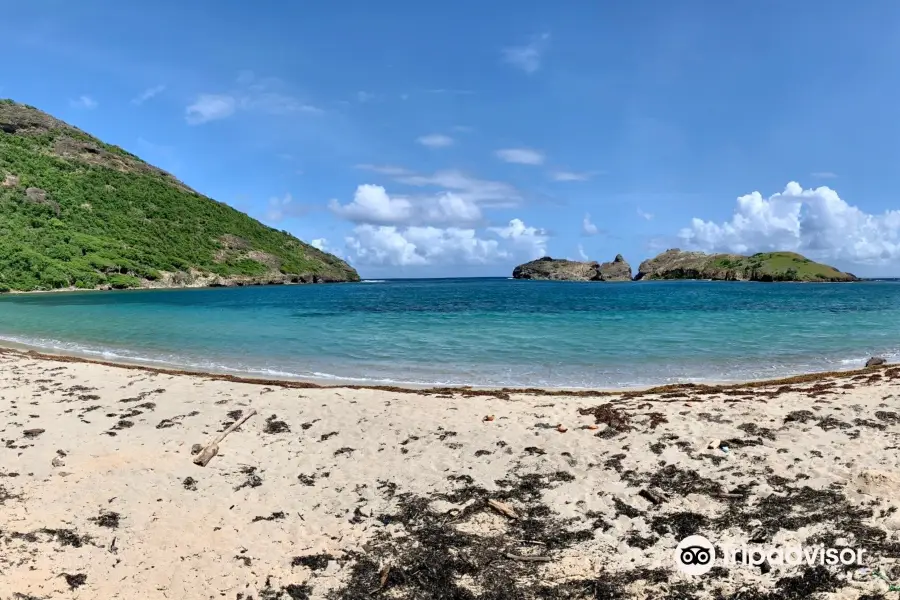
(109, 218)
(780, 266)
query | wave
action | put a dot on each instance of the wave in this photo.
(373, 281)
(461, 375)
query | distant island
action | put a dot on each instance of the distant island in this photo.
(679, 264)
(77, 213)
(554, 269)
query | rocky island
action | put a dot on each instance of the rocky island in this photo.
(679, 264)
(76, 212)
(556, 269)
(764, 266)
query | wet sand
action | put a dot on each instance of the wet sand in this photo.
(350, 493)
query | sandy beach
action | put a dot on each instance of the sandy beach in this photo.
(356, 493)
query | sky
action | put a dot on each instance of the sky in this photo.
(426, 139)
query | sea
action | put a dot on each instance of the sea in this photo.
(478, 332)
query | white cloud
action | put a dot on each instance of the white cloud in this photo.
(588, 228)
(530, 240)
(823, 175)
(572, 175)
(387, 245)
(521, 156)
(581, 253)
(527, 57)
(419, 246)
(435, 140)
(815, 222)
(85, 102)
(320, 243)
(210, 107)
(645, 215)
(372, 204)
(385, 169)
(263, 95)
(148, 94)
(363, 97)
(494, 194)
(278, 208)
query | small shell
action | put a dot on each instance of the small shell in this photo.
(488, 418)
(561, 428)
(593, 427)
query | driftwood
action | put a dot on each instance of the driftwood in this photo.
(653, 496)
(502, 508)
(211, 449)
(521, 558)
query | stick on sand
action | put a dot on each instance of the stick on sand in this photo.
(212, 448)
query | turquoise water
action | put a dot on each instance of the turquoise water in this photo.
(488, 332)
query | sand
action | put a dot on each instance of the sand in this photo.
(361, 493)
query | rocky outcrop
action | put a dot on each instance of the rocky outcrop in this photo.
(769, 266)
(557, 269)
(617, 270)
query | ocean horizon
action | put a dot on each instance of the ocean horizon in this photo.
(483, 332)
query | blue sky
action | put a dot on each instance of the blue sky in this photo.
(440, 139)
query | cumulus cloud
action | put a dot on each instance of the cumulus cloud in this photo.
(528, 57)
(816, 222)
(529, 241)
(386, 245)
(372, 204)
(435, 140)
(411, 246)
(85, 102)
(520, 156)
(148, 94)
(587, 227)
(645, 215)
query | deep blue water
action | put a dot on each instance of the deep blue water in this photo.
(476, 331)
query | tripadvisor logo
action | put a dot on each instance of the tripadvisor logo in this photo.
(696, 555)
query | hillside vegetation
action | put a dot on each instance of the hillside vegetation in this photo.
(77, 212)
(765, 266)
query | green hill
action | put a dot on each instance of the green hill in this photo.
(764, 266)
(76, 212)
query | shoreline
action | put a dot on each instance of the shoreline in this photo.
(342, 493)
(6, 348)
(74, 290)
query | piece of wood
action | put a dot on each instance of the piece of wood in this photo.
(653, 495)
(385, 571)
(521, 558)
(212, 448)
(502, 508)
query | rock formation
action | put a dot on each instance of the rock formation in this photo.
(556, 269)
(768, 266)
